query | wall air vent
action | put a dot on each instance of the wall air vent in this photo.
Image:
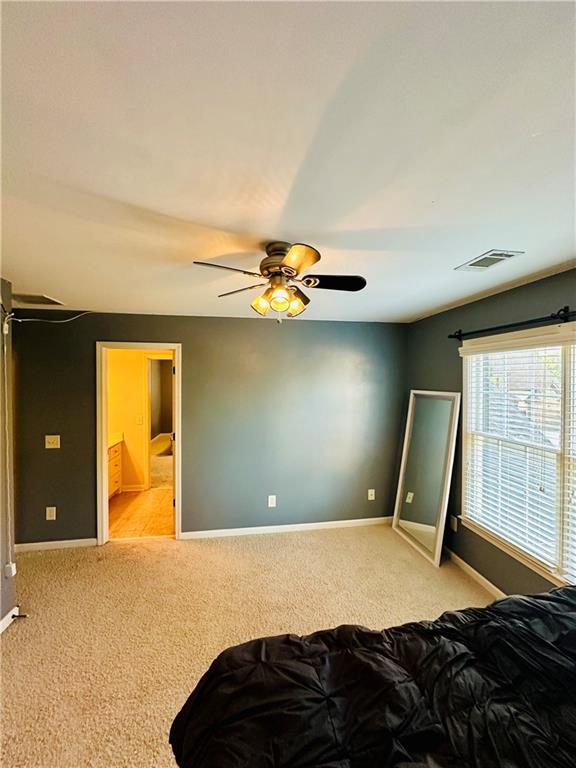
(488, 259)
(36, 299)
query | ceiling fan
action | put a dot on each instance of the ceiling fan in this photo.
(282, 268)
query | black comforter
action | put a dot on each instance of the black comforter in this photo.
(489, 688)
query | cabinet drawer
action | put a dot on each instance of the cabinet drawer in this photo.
(115, 451)
(114, 466)
(114, 474)
(113, 485)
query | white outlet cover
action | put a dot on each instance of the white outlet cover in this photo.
(272, 501)
(51, 441)
(454, 523)
(50, 513)
(409, 497)
(371, 494)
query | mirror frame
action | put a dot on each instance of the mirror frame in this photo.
(434, 556)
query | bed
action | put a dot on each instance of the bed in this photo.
(480, 688)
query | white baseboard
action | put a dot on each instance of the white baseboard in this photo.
(35, 546)
(9, 618)
(488, 586)
(220, 532)
(134, 488)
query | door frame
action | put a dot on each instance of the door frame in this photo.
(102, 430)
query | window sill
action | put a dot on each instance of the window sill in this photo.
(517, 554)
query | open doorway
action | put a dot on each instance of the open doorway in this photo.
(160, 373)
(138, 424)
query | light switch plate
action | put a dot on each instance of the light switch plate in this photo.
(371, 494)
(50, 513)
(454, 523)
(409, 497)
(51, 441)
(272, 501)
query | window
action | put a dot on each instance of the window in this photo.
(519, 484)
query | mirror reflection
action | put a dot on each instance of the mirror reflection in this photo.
(426, 469)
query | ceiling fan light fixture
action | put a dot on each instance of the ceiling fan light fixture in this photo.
(261, 304)
(280, 295)
(298, 303)
(280, 300)
(282, 266)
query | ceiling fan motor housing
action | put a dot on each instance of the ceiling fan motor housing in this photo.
(272, 263)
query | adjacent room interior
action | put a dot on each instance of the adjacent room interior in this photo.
(140, 436)
(288, 385)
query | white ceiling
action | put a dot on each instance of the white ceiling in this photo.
(400, 139)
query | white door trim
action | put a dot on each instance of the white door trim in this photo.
(102, 430)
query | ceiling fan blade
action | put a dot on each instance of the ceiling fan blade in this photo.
(239, 290)
(231, 269)
(299, 258)
(335, 282)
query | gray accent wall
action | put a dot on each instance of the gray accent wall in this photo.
(309, 411)
(313, 412)
(434, 363)
(7, 591)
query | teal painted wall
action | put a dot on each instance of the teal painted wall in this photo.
(309, 411)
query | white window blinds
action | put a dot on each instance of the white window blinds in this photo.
(569, 496)
(520, 443)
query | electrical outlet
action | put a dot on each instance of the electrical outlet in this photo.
(454, 523)
(50, 513)
(409, 497)
(10, 570)
(51, 441)
(272, 501)
(371, 494)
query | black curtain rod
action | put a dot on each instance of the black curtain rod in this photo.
(563, 316)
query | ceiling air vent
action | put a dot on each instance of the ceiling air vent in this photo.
(37, 299)
(488, 259)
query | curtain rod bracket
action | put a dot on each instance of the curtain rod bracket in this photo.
(563, 314)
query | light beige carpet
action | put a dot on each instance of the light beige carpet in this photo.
(161, 471)
(161, 461)
(119, 635)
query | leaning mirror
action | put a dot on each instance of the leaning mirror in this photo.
(426, 470)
